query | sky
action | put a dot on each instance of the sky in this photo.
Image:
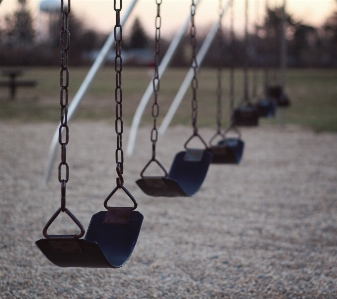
(99, 14)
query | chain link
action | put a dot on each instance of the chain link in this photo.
(267, 47)
(119, 154)
(220, 60)
(156, 81)
(245, 71)
(63, 168)
(256, 52)
(194, 83)
(232, 69)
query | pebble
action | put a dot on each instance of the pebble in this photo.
(266, 228)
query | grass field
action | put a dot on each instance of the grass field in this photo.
(313, 94)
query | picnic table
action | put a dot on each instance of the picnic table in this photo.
(12, 83)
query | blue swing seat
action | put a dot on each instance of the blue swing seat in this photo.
(187, 173)
(246, 116)
(228, 151)
(106, 245)
(266, 107)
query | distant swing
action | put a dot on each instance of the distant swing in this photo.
(112, 234)
(189, 168)
(265, 105)
(246, 114)
(228, 150)
(276, 90)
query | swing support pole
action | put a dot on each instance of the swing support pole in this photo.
(149, 91)
(187, 81)
(101, 58)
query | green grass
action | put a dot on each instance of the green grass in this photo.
(314, 98)
(313, 95)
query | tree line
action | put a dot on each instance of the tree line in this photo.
(308, 46)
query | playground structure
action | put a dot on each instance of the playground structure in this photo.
(265, 228)
(148, 92)
(112, 235)
(188, 170)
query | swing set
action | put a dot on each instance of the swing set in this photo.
(189, 168)
(228, 150)
(276, 90)
(112, 234)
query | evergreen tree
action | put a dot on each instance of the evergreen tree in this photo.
(19, 28)
(138, 38)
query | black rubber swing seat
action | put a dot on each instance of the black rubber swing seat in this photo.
(187, 173)
(246, 116)
(283, 101)
(228, 151)
(104, 246)
(279, 95)
(266, 107)
(109, 242)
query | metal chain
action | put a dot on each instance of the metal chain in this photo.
(255, 45)
(119, 95)
(231, 76)
(194, 83)
(245, 71)
(64, 83)
(156, 81)
(119, 155)
(283, 47)
(266, 47)
(270, 69)
(156, 87)
(220, 60)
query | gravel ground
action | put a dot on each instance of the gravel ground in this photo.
(264, 229)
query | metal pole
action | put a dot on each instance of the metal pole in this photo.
(187, 81)
(149, 91)
(83, 89)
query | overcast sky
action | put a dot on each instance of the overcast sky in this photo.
(99, 14)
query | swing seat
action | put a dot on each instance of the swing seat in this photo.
(266, 107)
(283, 101)
(274, 91)
(246, 116)
(279, 95)
(187, 173)
(106, 245)
(160, 186)
(228, 151)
